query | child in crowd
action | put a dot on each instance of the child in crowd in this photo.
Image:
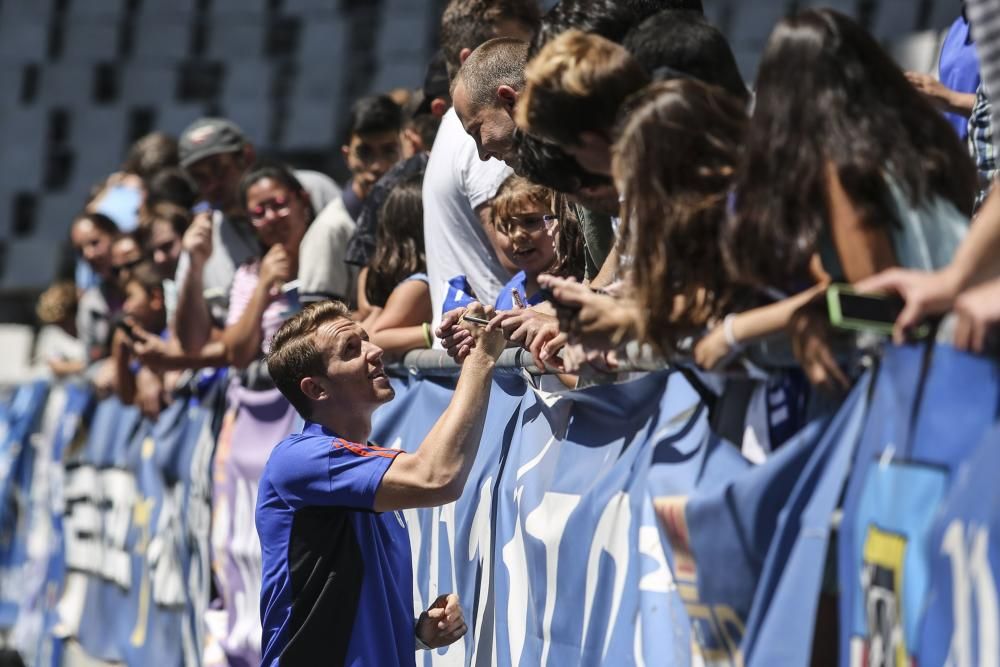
(58, 346)
(144, 309)
(396, 279)
(162, 235)
(527, 229)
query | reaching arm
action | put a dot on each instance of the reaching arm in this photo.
(124, 380)
(193, 321)
(399, 328)
(436, 473)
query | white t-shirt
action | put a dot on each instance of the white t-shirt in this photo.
(456, 183)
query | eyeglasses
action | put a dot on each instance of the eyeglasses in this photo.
(528, 223)
(128, 266)
(278, 206)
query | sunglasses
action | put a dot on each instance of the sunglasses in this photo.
(278, 206)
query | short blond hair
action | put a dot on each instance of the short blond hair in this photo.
(575, 84)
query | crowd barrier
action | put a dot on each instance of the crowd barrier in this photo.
(606, 525)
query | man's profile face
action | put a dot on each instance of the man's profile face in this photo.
(218, 179)
(354, 371)
(490, 126)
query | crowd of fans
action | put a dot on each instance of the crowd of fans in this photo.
(600, 174)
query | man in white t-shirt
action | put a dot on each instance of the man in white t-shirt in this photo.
(457, 184)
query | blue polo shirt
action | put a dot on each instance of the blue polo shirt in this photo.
(337, 576)
(958, 68)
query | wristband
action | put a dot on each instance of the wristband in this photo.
(728, 333)
(428, 338)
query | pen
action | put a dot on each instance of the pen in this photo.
(475, 320)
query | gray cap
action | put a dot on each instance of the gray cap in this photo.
(209, 136)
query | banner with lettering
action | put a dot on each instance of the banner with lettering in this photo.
(19, 420)
(554, 547)
(42, 575)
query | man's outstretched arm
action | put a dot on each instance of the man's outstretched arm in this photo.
(435, 474)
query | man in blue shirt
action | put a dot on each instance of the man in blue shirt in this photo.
(337, 574)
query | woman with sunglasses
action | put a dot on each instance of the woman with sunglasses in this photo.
(263, 293)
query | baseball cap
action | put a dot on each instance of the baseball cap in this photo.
(209, 136)
(436, 83)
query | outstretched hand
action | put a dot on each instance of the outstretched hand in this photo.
(443, 623)
(597, 321)
(926, 294)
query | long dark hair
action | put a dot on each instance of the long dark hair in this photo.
(828, 94)
(399, 240)
(675, 161)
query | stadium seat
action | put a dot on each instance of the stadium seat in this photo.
(55, 214)
(172, 9)
(173, 119)
(398, 74)
(317, 81)
(751, 23)
(29, 264)
(90, 40)
(229, 8)
(22, 40)
(148, 84)
(22, 159)
(309, 126)
(311, 8)
(253, 117)
(943, 14)
(99, 142)
(90, 9)
(16, 341)
(235, 39)
(894, 19)
(248, 79)
(67, 84)
(403, 34)
(917, 52)
(161, 39)
(324, 42)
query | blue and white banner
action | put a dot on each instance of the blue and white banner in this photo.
(555, 547)
(930, 408)
(604, 526)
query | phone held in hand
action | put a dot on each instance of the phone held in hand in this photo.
(854, 311)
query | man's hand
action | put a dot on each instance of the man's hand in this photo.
(490, 342)
(197, 241)
(925, 293)
(275, 269)
(443, 623)
(455, 339)
(978, 311)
